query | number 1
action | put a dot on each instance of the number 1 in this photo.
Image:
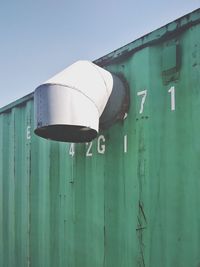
(172, 92)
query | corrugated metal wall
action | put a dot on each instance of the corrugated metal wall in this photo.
(130, 198)
(14, 186)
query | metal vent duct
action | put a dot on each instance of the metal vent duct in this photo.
(68, 106)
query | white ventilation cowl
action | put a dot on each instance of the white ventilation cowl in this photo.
(68, 106)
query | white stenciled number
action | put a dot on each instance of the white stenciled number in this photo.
(28, 132)
(101, 144)
(72, 149)
(143, 94)
(125, 144)
(88, 152)
(172, 92)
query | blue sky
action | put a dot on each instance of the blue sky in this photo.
(40, 38)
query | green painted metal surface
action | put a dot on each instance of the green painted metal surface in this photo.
(130, 198)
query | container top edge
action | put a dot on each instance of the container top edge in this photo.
(16, 103)
(157, 35)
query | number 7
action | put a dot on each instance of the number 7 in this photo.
(143, 94)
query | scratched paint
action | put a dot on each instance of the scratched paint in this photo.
(129, 198)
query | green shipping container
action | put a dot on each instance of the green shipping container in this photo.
(129, 198)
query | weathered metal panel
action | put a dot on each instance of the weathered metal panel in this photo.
(15, 178)
(131, 197)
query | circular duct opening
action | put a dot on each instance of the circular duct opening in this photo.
(71, 133)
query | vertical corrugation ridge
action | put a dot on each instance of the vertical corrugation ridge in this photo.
(62, 189)
(43, 202)
(11, 189)
(55, 201)
(28, 137)
(34, 189)
(19, 204)
(5, 153)
(1, 191)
